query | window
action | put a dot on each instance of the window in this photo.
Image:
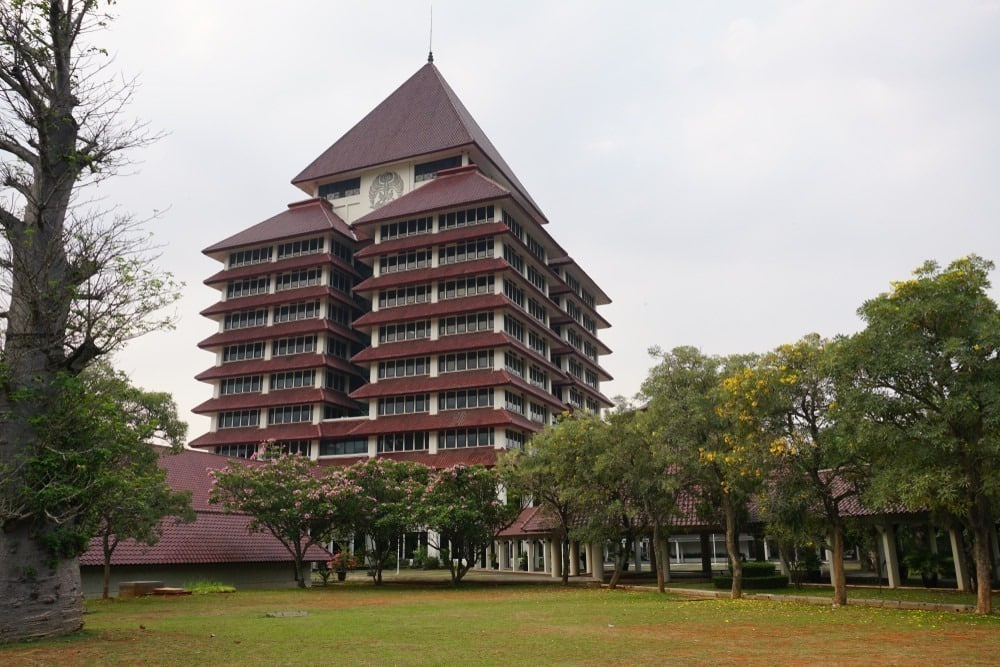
(590, 350)
(300, 447)
(404, 261)
(342, 251)
(341, 189)
(292, 380)
(574, 338)
(336, 381)
(303, 310)
(239, 418)
(244, 385)
(587, 297)
(513, 292)
(575, 398)
(247, 287)
(471, 216)
(343, 447)
(513, 258)
(514, 439)
(296, 345)
(403, 296)
(245, 319)
(590, 325)
(469, 398)
(514, 327)
(402, 442)
(448, 363)
(404, 367)
(338, 348)
(465, 252)
(538, 377)
(538, 311)
(449, 326)
(539, 413)
(471, 437)
(340, 282)
(301, 278)
(428, 170)
(454, 289)
(290, 414)
(239, 451)
(398, 230)
(590, 377)
(536, 279)
(536, 248)
(404, 405)
(538, 343)
(247, 257)
(514, 364)
(303, 247)
(243, 351)
(575, 368)
(337, 313)
(410, 331)
(514, 402)
(512, 224)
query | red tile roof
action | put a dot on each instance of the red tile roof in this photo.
(310, 216)
(422, 311)
(419, 276)
(283, 264)
(254, 434)
(310, 293)
(450, 419)
(281, 363)
(297, 328)
(214, 537)
(420, 117)
(462, 186)
(273, 399)
(429, 240)
(453, 381)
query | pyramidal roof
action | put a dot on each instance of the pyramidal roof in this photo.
(422, 116)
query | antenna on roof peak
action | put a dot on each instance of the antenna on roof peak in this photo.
(430, 40)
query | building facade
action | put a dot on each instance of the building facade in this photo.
(415, 306)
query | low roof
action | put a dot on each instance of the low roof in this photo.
(214, 537)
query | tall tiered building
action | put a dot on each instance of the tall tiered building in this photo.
(415, 307)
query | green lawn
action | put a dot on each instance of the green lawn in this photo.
(491, 624)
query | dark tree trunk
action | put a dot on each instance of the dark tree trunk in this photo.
(837, 574)
(732, 546)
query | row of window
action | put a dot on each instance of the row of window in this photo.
(297, 248)
(285, 346)
(289, 312)
(288, 414)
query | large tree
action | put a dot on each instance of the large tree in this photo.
(462, 505)
(715, 456)
(390, 494)
(926, 374)
(291, 498)
(789, 398)
(77, 281)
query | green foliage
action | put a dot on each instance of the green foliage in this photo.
(291, 498)
(96, 468)
(753, 568)
(207, 587)
(461, 504)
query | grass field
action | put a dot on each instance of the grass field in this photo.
(495, 624)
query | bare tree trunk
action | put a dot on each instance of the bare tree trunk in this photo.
(837, 566)
(984, 574)
(106, 550)
(42, 596)
(733, 547)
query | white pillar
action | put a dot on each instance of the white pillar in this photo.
(958, 555)
(432, 540)
(546, 555)
(829, 559)
(557, 558)
(678, 550)
(889, 552)
(595, 554)
(531, 555)
(574, 558)
(637, 553)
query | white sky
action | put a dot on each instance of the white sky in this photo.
(734, 175)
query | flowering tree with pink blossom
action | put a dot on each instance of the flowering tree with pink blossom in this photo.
(291, 498)
(388, 501)
(462, 504)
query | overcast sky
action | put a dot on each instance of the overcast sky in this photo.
(734, 175)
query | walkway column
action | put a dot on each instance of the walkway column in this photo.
(574, 558)
(829, 559)
(637, 553)
(888, 540)
(677, 550)
(557, 558)
(546, 555)
(502, 555)
(432, 539)
(958, 556)
(595, 555)
(531, 555)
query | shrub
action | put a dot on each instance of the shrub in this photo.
(432, 563)
(752, 583)
(202, 587)
(757, 569)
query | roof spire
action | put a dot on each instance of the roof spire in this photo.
(430, 40)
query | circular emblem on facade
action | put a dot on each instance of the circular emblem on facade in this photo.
(387, 186)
